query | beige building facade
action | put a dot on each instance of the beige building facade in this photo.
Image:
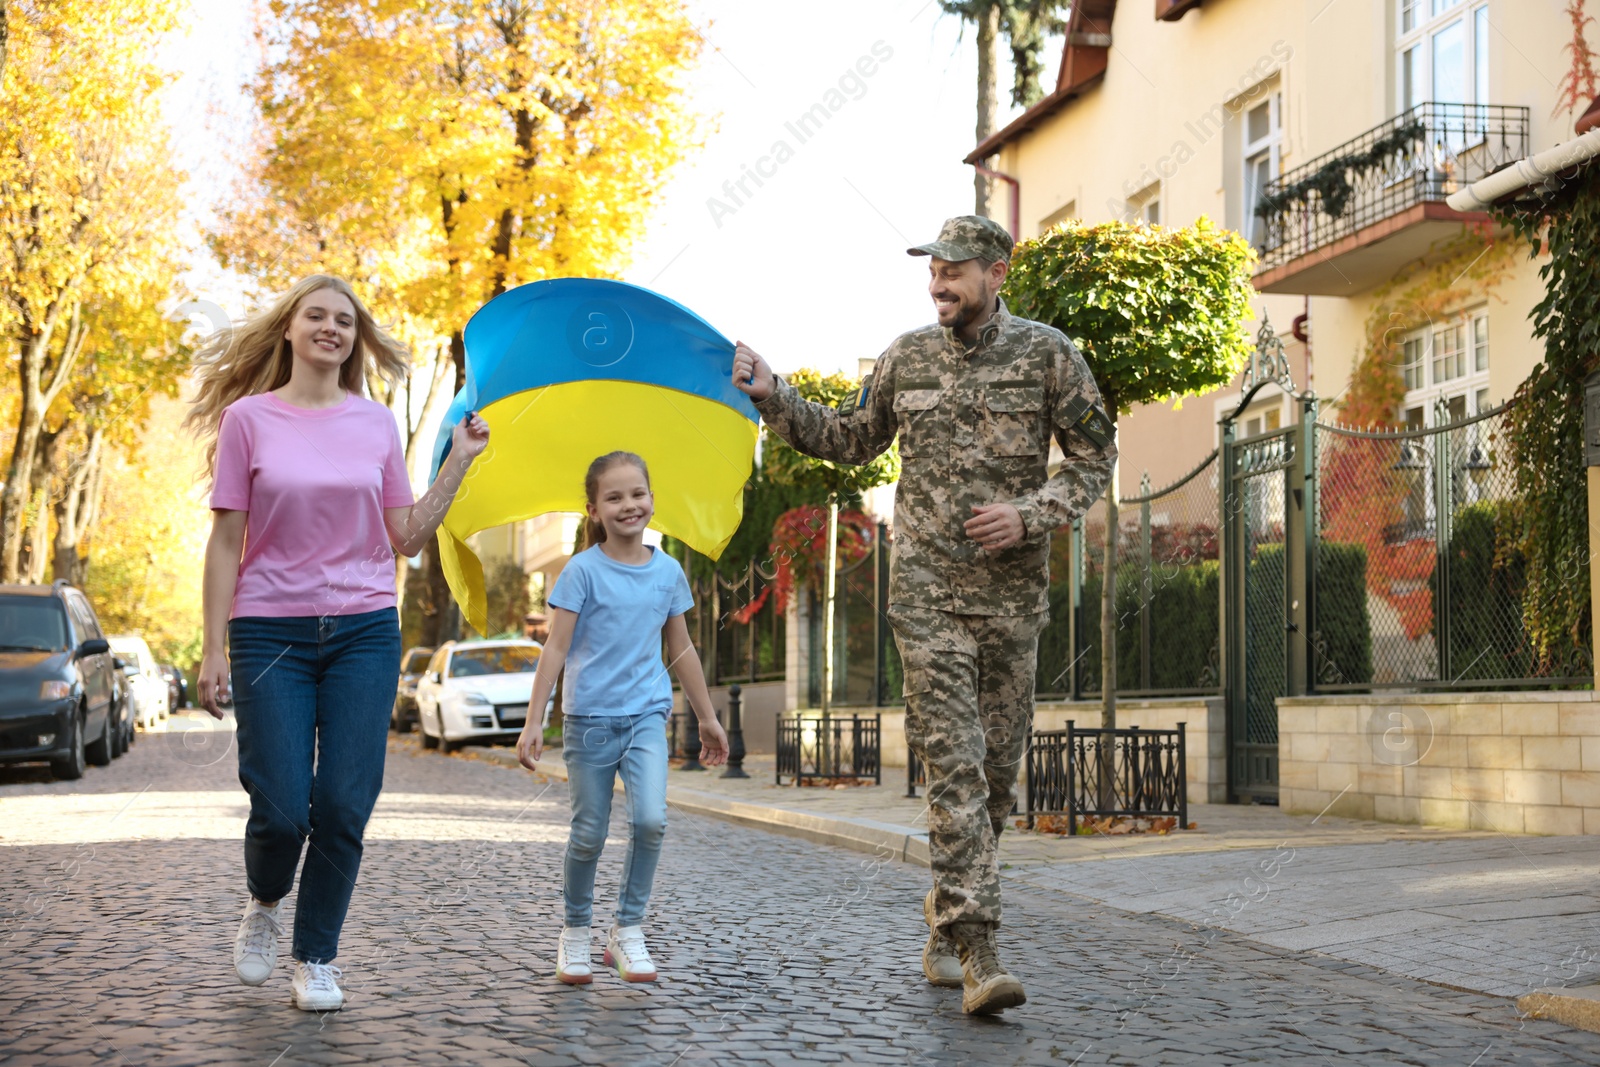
(1203, 107)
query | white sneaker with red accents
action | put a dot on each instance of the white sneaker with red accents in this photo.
(626, 951)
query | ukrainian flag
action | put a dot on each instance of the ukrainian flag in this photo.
(572, 368)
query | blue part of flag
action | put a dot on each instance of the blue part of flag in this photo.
(583, 329)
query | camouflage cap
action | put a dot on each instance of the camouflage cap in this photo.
(968, 237)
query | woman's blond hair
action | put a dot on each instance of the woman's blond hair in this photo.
(256, 357)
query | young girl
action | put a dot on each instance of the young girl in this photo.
(613, 603)
(301, 612)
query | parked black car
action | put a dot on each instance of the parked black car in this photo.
(412, 664)
(59, 697)
(177, 687)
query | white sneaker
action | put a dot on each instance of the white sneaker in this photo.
(255, 946)
(316, 987)
(625, 950)
(572, 958)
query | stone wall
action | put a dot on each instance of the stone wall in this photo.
(1517, 762)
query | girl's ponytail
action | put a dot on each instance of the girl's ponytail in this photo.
(593, 532)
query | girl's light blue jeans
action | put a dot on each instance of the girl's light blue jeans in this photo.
(595, 748)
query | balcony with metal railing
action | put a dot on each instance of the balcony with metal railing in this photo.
(1351, 217)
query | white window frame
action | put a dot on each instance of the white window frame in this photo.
(1271, 145)
(1469, 384)
(1475, 76)
(1472, 386)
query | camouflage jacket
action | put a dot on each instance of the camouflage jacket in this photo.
(974, 428)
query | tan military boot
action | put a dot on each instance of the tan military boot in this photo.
(939, 956)
(986, 988)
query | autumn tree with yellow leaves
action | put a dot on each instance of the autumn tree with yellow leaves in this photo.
(88, 206)
(440, 154)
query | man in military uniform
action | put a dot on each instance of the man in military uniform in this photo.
(975, 402)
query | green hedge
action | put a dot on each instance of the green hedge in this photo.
(1184, 620)
(1341, 650)
(1486, 638)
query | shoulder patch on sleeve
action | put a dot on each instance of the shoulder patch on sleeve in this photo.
(858, 399)
(1089, 421)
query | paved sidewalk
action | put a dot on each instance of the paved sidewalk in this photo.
(1506, 915)
(120, 894)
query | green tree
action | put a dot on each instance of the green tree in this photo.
(823, 481)
(440, 154)
(1158, 312)
(88, 214)
(820, 480)
(509, 599)
(1024, 24)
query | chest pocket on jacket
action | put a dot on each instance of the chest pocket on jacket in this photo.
(1012, 424)
(923, 428)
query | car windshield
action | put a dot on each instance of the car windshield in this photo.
(32, 624)
(507, 659)
(129, 653)
(415, 662)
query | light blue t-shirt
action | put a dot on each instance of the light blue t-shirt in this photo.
(615, 666)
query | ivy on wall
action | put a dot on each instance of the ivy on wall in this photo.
(1362, 492)
(1430, 291)
(1545, 425)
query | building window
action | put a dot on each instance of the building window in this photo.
(1411, 363)
(1446, 372)
(1442, 53)
(1269, 420)
(1069, 210)
(1145, 205)
(1449, 356)
(1446, 364)
(1261, 137)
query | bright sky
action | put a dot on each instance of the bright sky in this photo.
(809, 267)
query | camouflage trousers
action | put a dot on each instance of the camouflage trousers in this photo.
(969, 710)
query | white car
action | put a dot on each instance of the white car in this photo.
(476, 691)
(145, 679)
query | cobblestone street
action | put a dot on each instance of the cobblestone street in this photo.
(121, 893)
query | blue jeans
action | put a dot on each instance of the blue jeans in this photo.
(312, 696)
(595, 748)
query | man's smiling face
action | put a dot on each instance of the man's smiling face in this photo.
(963, 292)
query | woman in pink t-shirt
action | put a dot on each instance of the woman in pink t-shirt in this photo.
(310, 503)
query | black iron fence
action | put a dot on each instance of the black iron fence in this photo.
(866, 664)
(1166, 597)
(834, 749)
(1417, 584)
(1103, 773)
(750, 651)
(1421, 155)
(916, 774)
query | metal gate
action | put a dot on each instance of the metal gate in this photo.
(1267, 487)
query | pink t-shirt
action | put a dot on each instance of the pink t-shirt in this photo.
(315, 483)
